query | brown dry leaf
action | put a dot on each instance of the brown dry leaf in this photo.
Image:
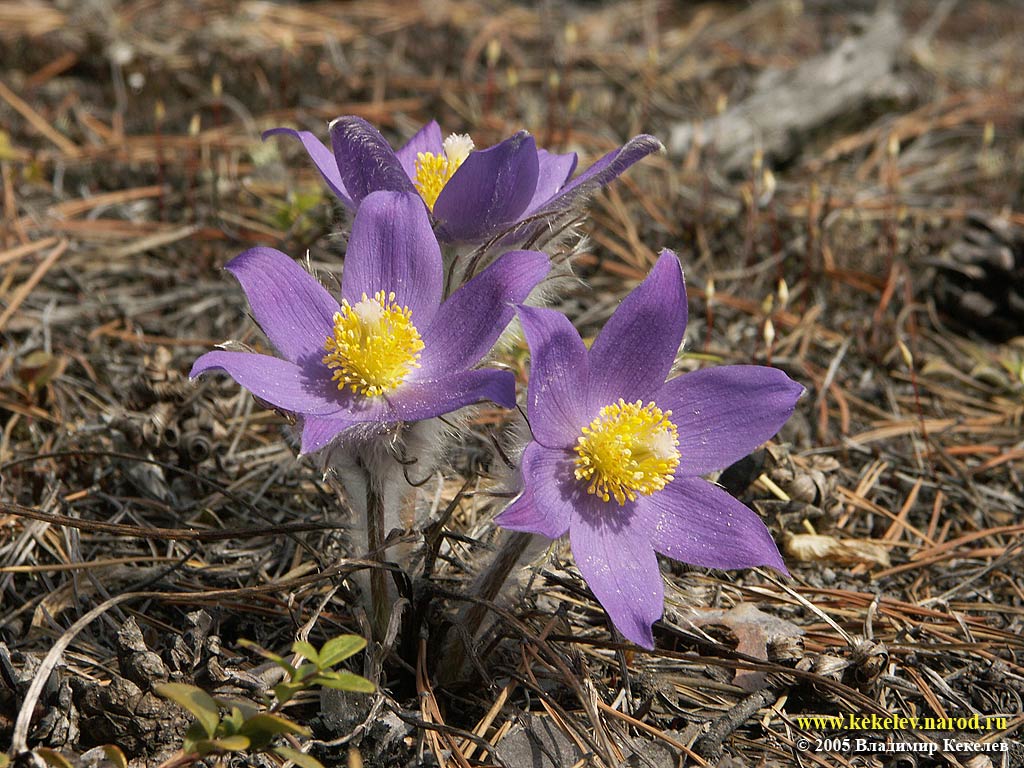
(815, 547)
(754, 630)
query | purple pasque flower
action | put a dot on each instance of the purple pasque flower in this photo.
(617, 451)
(473, 194)
(391, 351)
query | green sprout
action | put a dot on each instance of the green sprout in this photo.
(222, 725)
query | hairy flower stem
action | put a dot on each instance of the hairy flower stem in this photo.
(511, 551)
(379, 602)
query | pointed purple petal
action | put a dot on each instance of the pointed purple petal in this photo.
(724, 413)
(635, 350)
(293, 309)
(392, 248)
(471, 320)
(323, 159)
(414, 401)
(612, 549)
(491, 188)
(559, 374)
(605, 170)
(427, 139)
(365, 160)
(553, 171)
(698, 523)
(283, 384)
(549, 487)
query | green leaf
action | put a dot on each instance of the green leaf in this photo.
(53, 757)
(113, 754)
(273, 724)
(193, 736)
(285, 691)
(279, 660)
(306, 650)
(262, 728)
(244, 707)
(236, 743)
(195, 700)
(305, 671)
(337, 649)
(344, 681)
(301, 759)
(232, 723)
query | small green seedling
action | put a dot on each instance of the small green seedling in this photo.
(223, 725)
(316, 670)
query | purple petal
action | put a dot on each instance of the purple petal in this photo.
(318, 431)
(559, 374)
(553, 171)
(605, 170)
(392, 248)
(415, 401)
(292, 308)
(365, 160)
(283, 384)
(322, 158)
(724, 413)
(636, 348)
(427, 139)
(412, 402)
(549, 488)
(612, 549)
(698, 523)
(491, 188)
(471, 320)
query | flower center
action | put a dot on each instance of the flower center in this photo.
(434, 171)
(629, 449)
(373, 346)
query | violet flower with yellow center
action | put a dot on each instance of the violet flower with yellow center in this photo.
(618, 452)
(391, 351)
(473, 194)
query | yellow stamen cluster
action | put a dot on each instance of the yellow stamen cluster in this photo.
(373, 346)
(434, 171)
(629, 449)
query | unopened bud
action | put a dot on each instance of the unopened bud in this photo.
(908, 359)
(783, 292)
(217, 86)
(493, 51)
(709, 289)
(894, 145)
(769, 332)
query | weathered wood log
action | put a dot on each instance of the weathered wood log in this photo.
(785, 107)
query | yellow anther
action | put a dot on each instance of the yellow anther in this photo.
(373, 346)
(434, 171)
(629, 449)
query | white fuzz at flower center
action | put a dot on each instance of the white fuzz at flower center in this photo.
(434, 171)
(373, 346)
(629, 449)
